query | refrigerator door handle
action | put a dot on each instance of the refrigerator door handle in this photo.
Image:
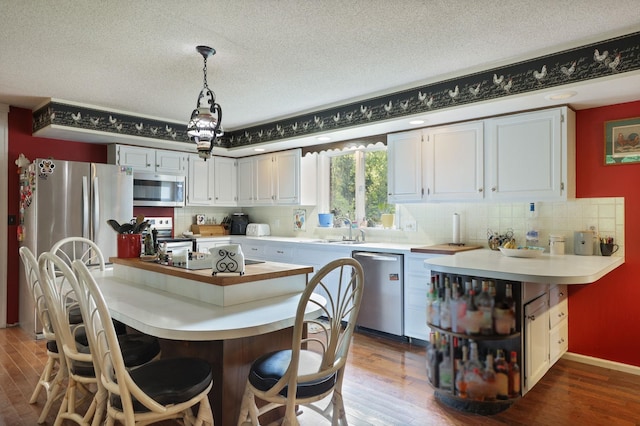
(85, 207)
(95, 208)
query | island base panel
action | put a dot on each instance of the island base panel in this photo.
(230, 360)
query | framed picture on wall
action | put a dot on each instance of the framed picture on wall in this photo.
(622, 141)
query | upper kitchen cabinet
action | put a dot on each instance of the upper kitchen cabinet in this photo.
(245, 181)
(531, 156)
(404, 171)
(454, 162)
(280, 178)
(212, 182)
(148, 159)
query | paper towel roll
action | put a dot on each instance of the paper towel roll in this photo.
(456, 228)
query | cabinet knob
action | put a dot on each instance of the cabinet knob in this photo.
(561, 294)
(494, 189)
(479, 189)
(531, 317)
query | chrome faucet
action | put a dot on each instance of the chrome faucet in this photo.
(349, 224)
(361, 234)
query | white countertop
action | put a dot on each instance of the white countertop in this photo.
(170, 316)
(549, 269)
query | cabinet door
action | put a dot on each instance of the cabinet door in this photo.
(416, 286)
(245, 181)
(286, 177)
(170, 162)
(404, 171)
(200, 183)
(525, 156)
(536, 341)
(224, 181)
(454, 168)
(558, 341)
(140, 159)
(263, 179)
(558, 305)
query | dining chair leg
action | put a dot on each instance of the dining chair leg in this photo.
(53, 384)
(204, 418)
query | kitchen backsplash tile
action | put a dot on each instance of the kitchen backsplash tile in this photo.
(434, 222)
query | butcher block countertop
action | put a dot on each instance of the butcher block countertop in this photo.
(255, 272)
(443, 249)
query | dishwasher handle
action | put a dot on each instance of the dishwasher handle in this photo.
(376, 256)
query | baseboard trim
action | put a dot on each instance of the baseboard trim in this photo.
(599, 362)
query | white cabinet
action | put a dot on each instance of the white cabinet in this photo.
(148, 159)
(454, 162)
(404, 167)
(211, 182)
(281, 178)
(558, 322)
(546, 320)
(531, 156)
(204, 244)
(245, 181)
(536, 340)
(416, 286)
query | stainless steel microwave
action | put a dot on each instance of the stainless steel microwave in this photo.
(151, 189)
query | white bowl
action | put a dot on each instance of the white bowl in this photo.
(522, 252)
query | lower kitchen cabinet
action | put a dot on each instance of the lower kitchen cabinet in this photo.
(416, 285)
(536, 340)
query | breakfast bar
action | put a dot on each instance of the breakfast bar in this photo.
(196, 314)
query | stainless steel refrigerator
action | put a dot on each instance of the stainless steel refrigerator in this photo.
(72, 199)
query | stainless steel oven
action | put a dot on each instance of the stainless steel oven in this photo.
(164, 226)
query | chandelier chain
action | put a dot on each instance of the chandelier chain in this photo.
(204, 70)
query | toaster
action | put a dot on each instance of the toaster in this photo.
(258, 230)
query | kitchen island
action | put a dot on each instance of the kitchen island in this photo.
(539, 332)
(175, 305)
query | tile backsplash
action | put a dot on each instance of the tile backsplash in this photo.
(432, 223)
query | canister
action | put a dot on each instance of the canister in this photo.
(556, 244)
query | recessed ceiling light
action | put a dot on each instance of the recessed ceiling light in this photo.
(560, 96)
(416, 122)
(258, 149)
(323, 138)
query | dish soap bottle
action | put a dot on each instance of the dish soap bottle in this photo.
(532, 227)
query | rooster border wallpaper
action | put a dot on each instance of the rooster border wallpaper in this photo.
(595, 60)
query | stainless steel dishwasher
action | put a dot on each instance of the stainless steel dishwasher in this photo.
(382, 299)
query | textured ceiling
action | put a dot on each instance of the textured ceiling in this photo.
(276, 58)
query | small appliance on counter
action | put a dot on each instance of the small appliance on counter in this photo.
(239, 222)
(584, 243)
(258, 230)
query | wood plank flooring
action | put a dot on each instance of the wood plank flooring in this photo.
(385, 384)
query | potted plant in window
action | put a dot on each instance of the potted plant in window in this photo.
(387, 215)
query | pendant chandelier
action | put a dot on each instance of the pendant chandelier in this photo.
(204, 128)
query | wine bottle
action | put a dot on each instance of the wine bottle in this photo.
(484, 301)
(445, 306)
(489, 377)
(432, 363)
(473, 316)
(514, 376)
(473, 374)
(532, 227)
(502, 375)
(510, 302)
(445, 368)
(461, 383)
(431, 296)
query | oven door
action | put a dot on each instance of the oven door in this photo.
(150, 189)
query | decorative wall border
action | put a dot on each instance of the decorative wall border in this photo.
(592, 61)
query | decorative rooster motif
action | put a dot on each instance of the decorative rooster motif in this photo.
(94, 121)
(319, 122)
(507, 87)
(294, 127)
(174, 135)
(600, 57)
(475, 90)
(422, 97)
(168, 129)
(76, 117)
(540, 75)
(139, 127)
(349, 116)
(305, 125)
(336, 117)
(498, 80)
(388, 107)
(569, 71)
(112, 120)
(154, 130)
(247, 136)
(404, 104)
(260, 133)
(453, 94)
(118, 126)
(616, 61)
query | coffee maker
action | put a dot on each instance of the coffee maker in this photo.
(239, 222)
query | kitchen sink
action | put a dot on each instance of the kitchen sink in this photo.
(336, 241)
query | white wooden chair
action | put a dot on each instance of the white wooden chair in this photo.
(54, 374)
(314, 366)
(58, 286)
(79, 248)
(162, 389)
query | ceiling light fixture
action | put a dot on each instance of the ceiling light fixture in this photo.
(416, 122)
(560, 96)
(204, 127)
(324, 138)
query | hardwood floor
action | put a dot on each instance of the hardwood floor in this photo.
(385, 384)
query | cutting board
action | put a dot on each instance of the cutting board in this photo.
(443, 249)
(209, 230)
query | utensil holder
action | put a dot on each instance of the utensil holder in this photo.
(129, 245)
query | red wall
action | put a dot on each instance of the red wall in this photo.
(603, 318)
(603, 322)
(21, 141)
